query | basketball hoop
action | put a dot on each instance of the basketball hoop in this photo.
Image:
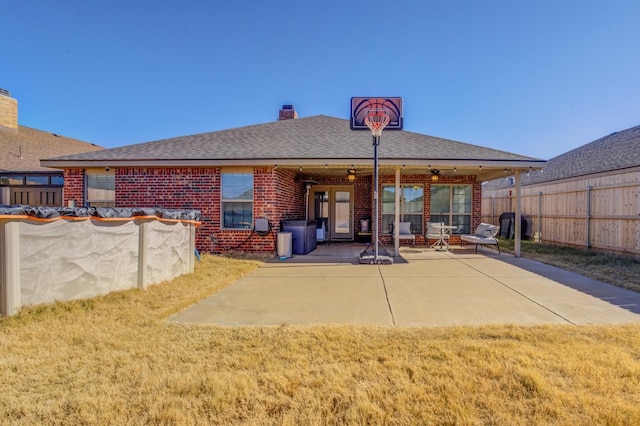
(376, 120)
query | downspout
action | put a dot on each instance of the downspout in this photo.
(518, 214)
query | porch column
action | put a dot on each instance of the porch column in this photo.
(518, 214)
(396, 219)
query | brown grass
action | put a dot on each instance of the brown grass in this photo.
(115, 360)
(622, 271)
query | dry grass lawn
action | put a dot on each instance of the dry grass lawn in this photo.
(115, 360)
(619, 270)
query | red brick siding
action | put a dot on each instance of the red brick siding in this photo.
(174, 188)
(278, 195)
(73, 189)
(363, 201)
(290, 196)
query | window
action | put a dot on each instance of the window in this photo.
(32, 180)
(411, 206)
(451, 204)
(100, 190)
(37, 180)
(237, 200)
(12, 180)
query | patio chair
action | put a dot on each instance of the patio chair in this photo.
(484, 234)
(405, 233)
(435, 232)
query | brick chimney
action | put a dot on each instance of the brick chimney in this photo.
(8, 110)
(287, 113)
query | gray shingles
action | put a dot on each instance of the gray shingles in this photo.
(317, 137)
(617, 151)
(35, 145)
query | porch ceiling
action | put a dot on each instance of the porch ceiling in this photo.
(331, 171)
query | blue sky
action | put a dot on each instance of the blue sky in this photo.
(535, 78)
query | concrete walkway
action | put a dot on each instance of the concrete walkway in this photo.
(422, 288)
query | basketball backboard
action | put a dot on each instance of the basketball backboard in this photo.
(360, 107)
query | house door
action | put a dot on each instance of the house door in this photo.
(332, 208)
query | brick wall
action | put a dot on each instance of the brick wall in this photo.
(174, 188)
(363, 201)
(73, 189)
(278, 195)
(290, 196)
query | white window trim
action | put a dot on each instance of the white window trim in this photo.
(237, 170)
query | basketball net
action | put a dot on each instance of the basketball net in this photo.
(376, 120)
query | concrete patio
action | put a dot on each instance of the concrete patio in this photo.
(423, 288)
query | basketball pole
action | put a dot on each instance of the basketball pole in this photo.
(376, 142)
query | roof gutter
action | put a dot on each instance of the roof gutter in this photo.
(433, 163)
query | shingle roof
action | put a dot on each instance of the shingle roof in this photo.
(316, 137)
(617, 151)
(22, 149)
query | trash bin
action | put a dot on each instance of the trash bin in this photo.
(284, 244)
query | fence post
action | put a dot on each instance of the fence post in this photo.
(192, 248)
(588, 233)
(143, 253)
(518, 225)
(540, 216)
(493, 207)
(10, 267)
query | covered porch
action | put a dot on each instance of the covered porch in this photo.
(341, 196)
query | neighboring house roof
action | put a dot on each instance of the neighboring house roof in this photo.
(322, 138)
(22, 149)
(617, 151)
(497, 184)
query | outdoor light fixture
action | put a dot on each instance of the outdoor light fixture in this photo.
(351, 174)
(435, 175)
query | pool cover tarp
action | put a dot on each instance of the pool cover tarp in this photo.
(100, 212)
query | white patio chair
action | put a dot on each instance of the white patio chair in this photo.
(405, 231)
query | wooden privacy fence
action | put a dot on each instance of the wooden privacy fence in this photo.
(605, 217)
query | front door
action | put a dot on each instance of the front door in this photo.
(332, 208)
